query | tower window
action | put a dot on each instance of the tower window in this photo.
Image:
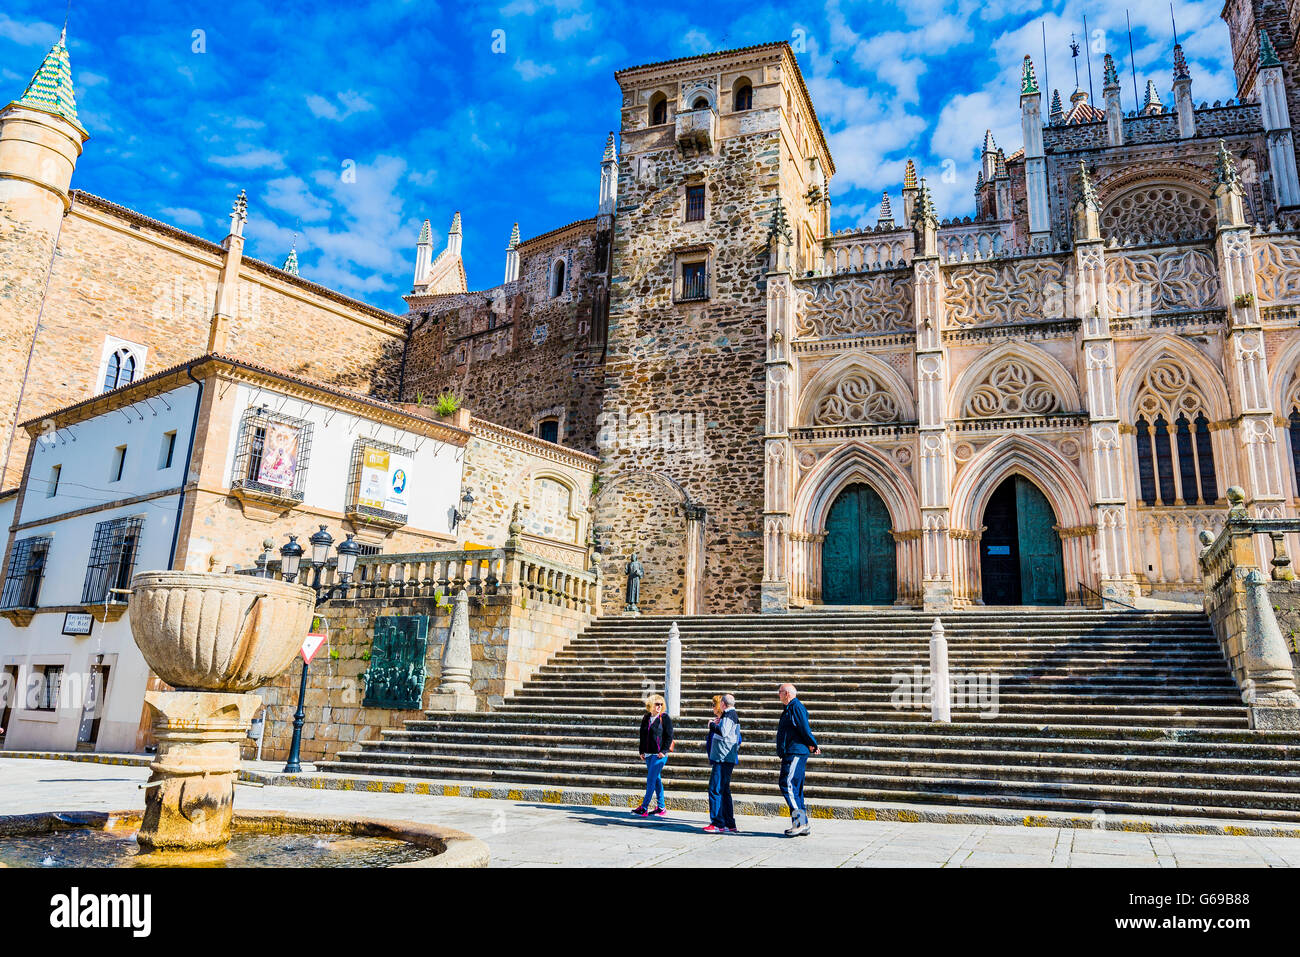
(694, 203)
(700, 103)
(557, 279)
(658, 109)
(743, 96)
(120, 371)
(694, 281)
(548, 430)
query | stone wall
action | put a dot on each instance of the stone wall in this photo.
(1286, 605)
(552, 484)
(120, 274)
(698, 359)
(510, 637)
(515, 352)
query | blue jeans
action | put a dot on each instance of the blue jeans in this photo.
(792, 769)
(721, 812)
(654, 779)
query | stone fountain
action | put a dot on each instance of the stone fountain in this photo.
(215, 639)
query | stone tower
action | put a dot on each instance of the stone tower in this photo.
(715, 149)
(40, 141)
(1263, 36)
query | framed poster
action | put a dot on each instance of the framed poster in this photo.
(279, 456)
(385, 479)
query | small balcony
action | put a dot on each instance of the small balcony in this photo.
(697, 129)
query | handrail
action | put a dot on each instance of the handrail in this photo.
(1104, 599)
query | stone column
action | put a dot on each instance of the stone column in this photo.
(1111, 560)
(673, 673)
(454, 692)
(1245, 358)
(934, 470)
(940, 685)
(1031, 124)
(778, 451)
(693, 602)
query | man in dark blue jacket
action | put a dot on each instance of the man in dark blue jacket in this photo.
(794, 743)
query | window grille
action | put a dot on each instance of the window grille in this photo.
(354, 507)
(112, 560)
(694, 281)
(51, 680)
(285, 479)
(26, 569)
(548, 430)
(694, 203)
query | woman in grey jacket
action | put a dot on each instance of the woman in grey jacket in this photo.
(723, 745)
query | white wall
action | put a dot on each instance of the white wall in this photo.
(86, 453)
(436, 469)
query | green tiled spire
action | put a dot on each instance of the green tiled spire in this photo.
(51, 86)
(291, 264)
(514, 237)
(1267, 55)
(925, 206)
(1028, 82)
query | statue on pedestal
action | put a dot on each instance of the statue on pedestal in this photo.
(634, 572)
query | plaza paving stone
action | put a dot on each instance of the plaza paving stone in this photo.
(531, 834)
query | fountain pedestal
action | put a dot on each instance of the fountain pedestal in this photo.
(190, 797)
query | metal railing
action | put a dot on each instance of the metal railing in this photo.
(1102, 600)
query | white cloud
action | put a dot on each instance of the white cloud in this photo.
(349, 103)
(530, 70)
(567, 27)
(290, 194)
(250, 159)
(28, 33)
(182, 216)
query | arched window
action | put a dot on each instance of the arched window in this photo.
(1175, 455)
(1295, 443)
(742, 96)
(658, 109)
(120, 370)
(701, 103)
(557, 279)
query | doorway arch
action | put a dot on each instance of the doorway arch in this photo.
(859, 561)
(1021, 559)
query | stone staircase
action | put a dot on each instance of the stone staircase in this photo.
(1131, 712)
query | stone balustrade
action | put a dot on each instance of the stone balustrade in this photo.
(1239, 600)
(507, 573)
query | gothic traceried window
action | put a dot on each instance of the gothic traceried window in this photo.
(1175, 454)
(858, 398)
(1159, 211)
(120, 371)
(1295, 443)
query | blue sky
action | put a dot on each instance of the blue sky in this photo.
(286, 100)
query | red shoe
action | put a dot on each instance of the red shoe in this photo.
(710, 829)
(659, 813)
(732, 830)
(640, 811)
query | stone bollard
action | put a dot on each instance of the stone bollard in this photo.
(940, 687)
(673, 673)
(1270, 680)
(454, 692)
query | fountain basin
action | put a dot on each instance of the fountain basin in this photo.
(259, 839)
(202, 631)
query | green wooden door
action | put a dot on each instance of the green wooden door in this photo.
(858, 565)
(1042, 569)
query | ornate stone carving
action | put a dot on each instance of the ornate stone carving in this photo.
(849, 307)
(1159, 211)
(1011, 388)
(1145, 282)
(856, 398)
(1277, 270)
(1168, 390)
(1002, 292)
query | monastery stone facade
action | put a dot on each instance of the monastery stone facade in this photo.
(1038, 404)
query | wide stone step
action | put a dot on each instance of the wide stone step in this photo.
(907, 723)
(845, 760)
(936, 788)
(1265, 756)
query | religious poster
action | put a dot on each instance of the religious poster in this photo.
(279, 456)
(384, 479)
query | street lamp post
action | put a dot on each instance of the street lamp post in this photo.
(290, 561)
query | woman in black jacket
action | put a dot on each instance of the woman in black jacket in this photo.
(656, 743)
